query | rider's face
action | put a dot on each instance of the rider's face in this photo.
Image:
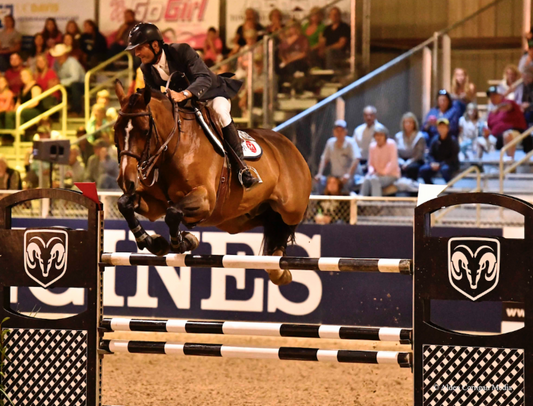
(144, 53)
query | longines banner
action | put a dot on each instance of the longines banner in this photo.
(238, 294)
(30, 15)
(179, 20)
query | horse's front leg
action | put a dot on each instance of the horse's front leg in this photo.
(156, 244)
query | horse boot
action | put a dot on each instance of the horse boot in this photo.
(232, 138)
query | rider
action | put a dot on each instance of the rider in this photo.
(160, 60)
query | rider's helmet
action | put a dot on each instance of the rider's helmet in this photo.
(143, 33)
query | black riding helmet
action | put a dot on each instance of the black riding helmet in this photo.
(144, 33)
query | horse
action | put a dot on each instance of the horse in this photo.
(169, 167)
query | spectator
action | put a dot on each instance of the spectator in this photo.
(10, 40)
(7, 101)
(9, 178)
(102, 97)
(51, 33)
(411, 146)
(313, 29)
(46, 78)
(463, 91)
(443, 109)
(470, 129)
(251, 21)
(212, 47)
(71, 75)
(258, 85)
(86, 148)
(506, 122)
(443, 155)
(343, 156)
(75, 171)
(242, 63)
(73, 29)
(335, 40)
(121, 36)
(526, 59)
(383, 168)
(39, 47)
(72, 43)
(508, 86)
(331, 211)
(525, 92)
(93, 45)
(98, 120)
(276, 21)
(293, 52)
(363, 135)
(13, 73)
(101, 168)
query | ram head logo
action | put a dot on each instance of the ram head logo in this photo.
(474, 265)
(45, 255)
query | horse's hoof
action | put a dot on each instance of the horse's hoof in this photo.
(280, 277)
(158, 245)
(191, 242)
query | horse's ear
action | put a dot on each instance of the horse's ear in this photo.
(119, 90)
(147, 95)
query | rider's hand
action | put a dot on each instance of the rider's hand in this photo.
(178, 97)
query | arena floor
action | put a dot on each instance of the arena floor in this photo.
(165, 380)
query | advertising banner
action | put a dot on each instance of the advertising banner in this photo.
(179, 20)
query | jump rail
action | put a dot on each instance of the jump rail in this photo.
(403, 266)
(402, 359)
(403, 336)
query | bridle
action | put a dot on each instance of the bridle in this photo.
(146, 163)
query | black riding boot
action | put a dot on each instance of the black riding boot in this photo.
(234, 141)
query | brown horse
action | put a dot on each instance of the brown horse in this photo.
(169, 167)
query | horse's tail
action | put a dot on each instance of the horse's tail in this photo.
(276, 233)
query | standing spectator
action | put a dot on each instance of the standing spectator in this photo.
(93, 45)
(276, 21)
(46, 78)
(10, 40)
(363, 135)
(71, 75)
(72, 43)
(383, 168)
(470, 129)
(343, 156)
(411, 146)
(293, 52)
(463, 91)
(443, 109)
(527, 58)
(212, 47)
(86, 148)
(508, 86)
(9, 178)
(251, 21)
(39, 47)
(443, 155)
(506, 121)
(313, 29)
(121, 36)
(7, 101)
(13, 73)
(51, 33)
(101, 168)
(335, 40)
(73, 29)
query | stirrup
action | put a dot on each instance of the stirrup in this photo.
(252, 169)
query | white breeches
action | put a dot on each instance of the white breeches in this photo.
(222, 108)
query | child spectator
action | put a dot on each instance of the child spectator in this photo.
(443, 109)
(51, 33)
(470, 129)
(383, 168)
(330, 211)
(9, 178)
(13, 73)
(71, 75)
(276, 21)
(72, 43)
(101, 168)
(7, 101)
(73, 29)
(10, 41)
(293, 52)
(93, 45)
(313, 29)
(511, 75)
(335, 40)
(411, 146)
(212, 47)
(363, 135)
(102, 97)
(463, 91)
(121, 36)
(443, 155)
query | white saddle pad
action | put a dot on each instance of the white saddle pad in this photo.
(250, 148)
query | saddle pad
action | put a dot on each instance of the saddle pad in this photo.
(251, 149)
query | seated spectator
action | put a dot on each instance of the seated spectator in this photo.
(85, 147)
(9, 178)
(212, 47)
(335, 41)
(96, 121)
(75, 171)
(101, 168)
(242, 62)
(383, 168)
(72, 43)
(92, 44)
(463, 91)
(71, 75)
(51, 33)
(525, 94)
(46, 78)
(411, 146)
(276, 21)
(258, 86)
(343, 156)
(7, 101)
(506, 121)
(251, 21)
(470, 129)
(443, 155)
(13, 73)
(293, 52)
(331, 211)
(39, 47)
(526, 59)
(10, 41)
(508, 86)
(443, 109)
(73, 29)
(363, 135)
(313, 29)
(121, 36)
(102, 97)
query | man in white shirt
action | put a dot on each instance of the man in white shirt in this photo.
(71, 75)
(363, 135)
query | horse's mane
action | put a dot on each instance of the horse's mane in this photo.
(156, 94)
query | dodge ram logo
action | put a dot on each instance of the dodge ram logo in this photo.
(474, 265)
(45, 255)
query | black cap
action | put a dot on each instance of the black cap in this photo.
(493, 90)
(143, 33)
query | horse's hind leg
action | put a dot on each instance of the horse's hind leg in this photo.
(156, 244)
(277, 234)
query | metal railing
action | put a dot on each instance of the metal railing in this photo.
(20, 127)
(505, 171)
(123, 73)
